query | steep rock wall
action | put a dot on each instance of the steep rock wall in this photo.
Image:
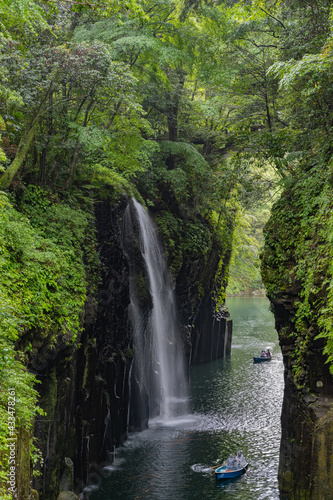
(297, 272)
(85, 388)
(208, 323)
(198, 250)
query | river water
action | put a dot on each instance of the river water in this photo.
(233, 405)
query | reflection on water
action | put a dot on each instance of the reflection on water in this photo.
(233, 405)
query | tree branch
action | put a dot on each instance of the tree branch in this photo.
(275, 18)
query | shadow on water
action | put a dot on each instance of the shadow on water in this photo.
(233, 405)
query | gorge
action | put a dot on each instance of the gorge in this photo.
(120, 368)
(216, 116)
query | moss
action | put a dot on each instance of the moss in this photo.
(106, 184)
(297, 261)
(67, 495)
(50, 402)
(322, 445)
(22, 151)
(53, 481)
(129, 354)
(86, 366)
(287, 488)
(140, 288)
(48, 268)
(23, 462)
(287, 482)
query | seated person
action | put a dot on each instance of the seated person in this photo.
(232, 463)
(240, 458)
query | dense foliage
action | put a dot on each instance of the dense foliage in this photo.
(298, 260)
(298, 251)
(248, 240)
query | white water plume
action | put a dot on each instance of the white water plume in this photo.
(163, 343)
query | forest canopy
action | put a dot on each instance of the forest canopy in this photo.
(197, 107)
(200, 108)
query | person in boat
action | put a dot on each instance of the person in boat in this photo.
(263, 354)
(240, 458)
(232, 463)
(268, 353)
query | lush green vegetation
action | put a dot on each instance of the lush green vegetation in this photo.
(245, 275)
(43, 288)
(297, 256)
(203, 110)
(298, 260)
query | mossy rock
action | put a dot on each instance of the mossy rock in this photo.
(67, 478)
(288, 481)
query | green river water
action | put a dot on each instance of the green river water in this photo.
(233, 405)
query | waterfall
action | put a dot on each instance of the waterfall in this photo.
(158, 347)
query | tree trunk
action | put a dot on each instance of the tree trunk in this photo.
(23, 147)
(268, 114)
(22, 150)
(172, 108)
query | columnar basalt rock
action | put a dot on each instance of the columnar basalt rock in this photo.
(208, 323)
(211, 334)
(305, 466)
(105, 358)
(85, 387)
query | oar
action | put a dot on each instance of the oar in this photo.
(247, 472)
(216, 466)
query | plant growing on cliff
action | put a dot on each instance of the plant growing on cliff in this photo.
(297, 260)
(43, 288)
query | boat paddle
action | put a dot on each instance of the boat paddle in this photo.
(247, 472)
(216, 466)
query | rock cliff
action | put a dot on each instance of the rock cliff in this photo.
(297, 272)
(208, 322)
(85, 387)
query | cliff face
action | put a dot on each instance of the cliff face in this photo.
(208, 324)
(85, 388)
(88, 389)
(297, 272)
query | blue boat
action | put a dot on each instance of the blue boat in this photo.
(261, 359)
(224, 473)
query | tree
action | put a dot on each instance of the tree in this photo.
(49, 67)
